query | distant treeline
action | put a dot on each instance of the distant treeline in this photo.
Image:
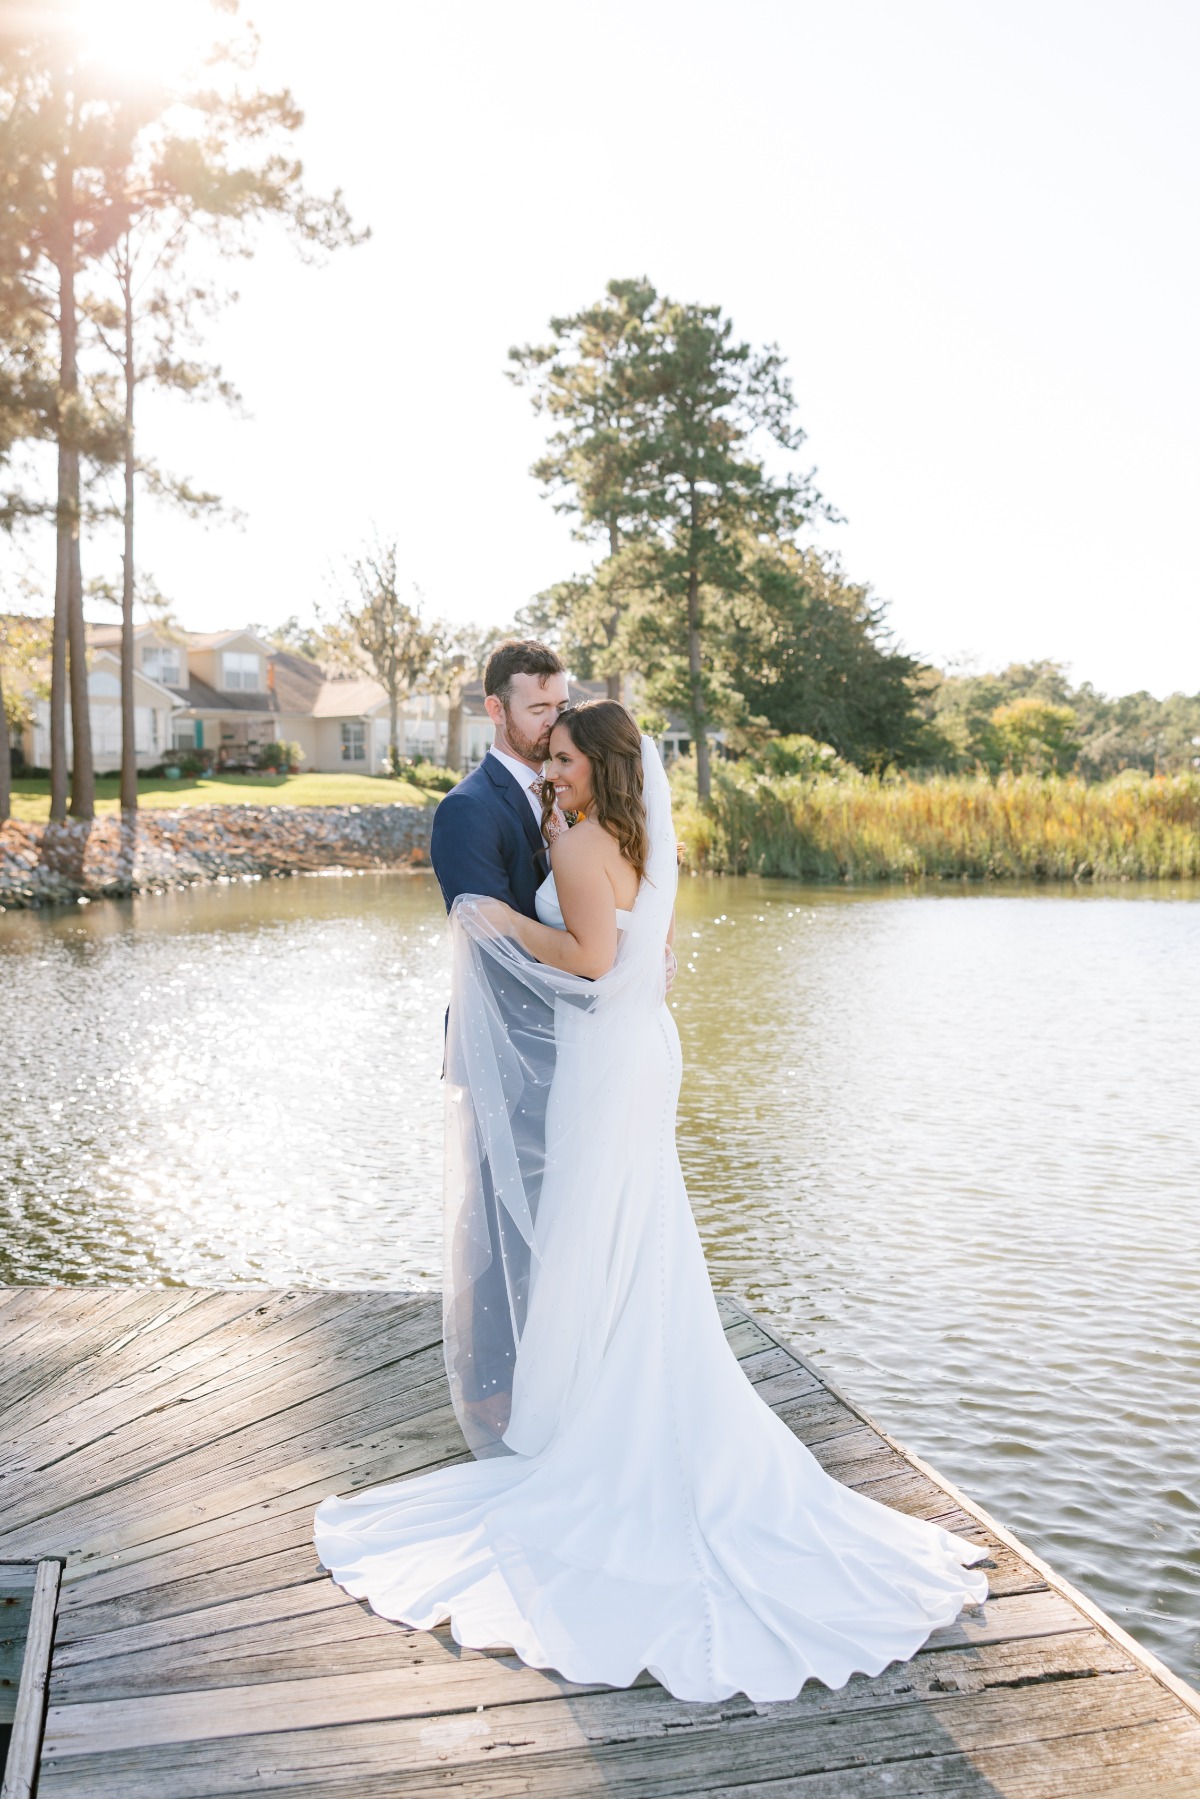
(1030, 719)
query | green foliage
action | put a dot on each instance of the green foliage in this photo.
(430, 776)
(24, 645)
(661, 428)
(276, 755)
(1033, 736)
(189, 762)
(810, 653)
(584, 382)
(1106, 735)
(108, 183)
(796, 755)
(582, 617)
(663, 420)
(1136, 731)
(23, 641)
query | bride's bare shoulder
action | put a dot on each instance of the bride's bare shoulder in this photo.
(584, 844)
(587, 853)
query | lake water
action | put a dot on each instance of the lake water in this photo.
(948, 1142)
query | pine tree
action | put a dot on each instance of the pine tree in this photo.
(97, 165)
(663, 421)
(59, 138)
(581, 382)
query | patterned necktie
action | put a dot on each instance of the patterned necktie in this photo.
(556, 824)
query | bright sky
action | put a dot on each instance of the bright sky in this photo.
(970, 226)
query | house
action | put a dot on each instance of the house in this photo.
(155, 706)
(237, 693)
(228, 694)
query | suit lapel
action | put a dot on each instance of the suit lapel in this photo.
(512, 793)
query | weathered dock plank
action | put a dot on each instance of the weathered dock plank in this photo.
(24, 1747)
(170, 1447)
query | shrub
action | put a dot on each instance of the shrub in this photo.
(421, 772)
(797, 755)
(280, 755)
(433, 776)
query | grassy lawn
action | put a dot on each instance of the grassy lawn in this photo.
(31, 799)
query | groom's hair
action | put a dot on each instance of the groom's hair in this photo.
(518, 656)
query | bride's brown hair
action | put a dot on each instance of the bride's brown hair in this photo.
(606, 733)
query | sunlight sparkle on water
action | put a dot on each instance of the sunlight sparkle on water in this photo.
(948, 1143)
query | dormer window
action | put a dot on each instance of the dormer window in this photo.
(161, 663)
(241, 670)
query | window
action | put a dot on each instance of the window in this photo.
(354, 742)
(106, 731)
(183, 734)
(241, 670)
(161, 663)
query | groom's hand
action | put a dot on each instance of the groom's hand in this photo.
(672, 966)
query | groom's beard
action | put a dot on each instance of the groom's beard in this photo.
(530, 749)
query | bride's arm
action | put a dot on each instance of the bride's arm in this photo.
(588, 946)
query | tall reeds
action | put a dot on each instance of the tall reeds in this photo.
(852, 827)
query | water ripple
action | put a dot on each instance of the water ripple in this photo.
(948, 1143)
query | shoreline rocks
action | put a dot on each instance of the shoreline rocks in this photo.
(111, 858)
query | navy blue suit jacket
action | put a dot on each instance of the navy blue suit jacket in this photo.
(486, 840)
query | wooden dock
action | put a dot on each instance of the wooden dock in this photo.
(169, 1447)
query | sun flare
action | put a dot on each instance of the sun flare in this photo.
(143, 41)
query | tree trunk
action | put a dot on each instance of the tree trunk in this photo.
(129, 790)
(5, 757)
(58, 660)
(83, 781)
(454, 729)
(695, 665)
(394, 732)
(613, 682)
(68, 591)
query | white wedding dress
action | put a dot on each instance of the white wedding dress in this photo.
(637, 1505)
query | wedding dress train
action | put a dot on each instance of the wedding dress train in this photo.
(636, 1505)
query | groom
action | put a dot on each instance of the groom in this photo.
(487, 839)
(487, 832)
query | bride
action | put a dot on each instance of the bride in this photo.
(633, 1503)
